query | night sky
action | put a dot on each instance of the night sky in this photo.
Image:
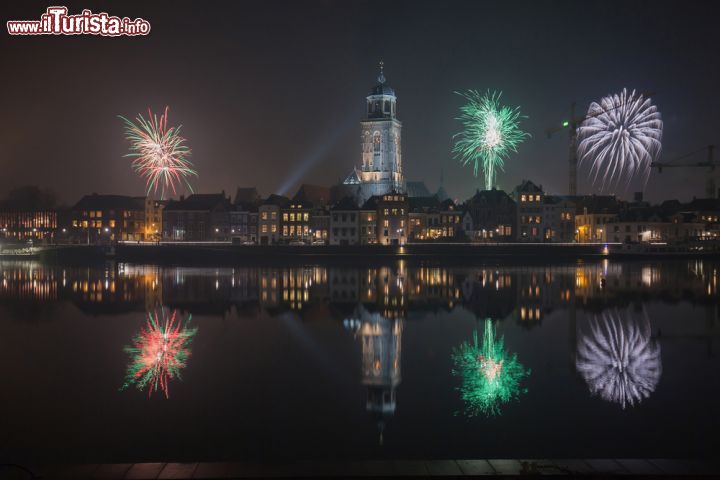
(270, 93)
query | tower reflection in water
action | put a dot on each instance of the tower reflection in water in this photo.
(490, 375)
(618, 357)
(381, 340)
(159, 352)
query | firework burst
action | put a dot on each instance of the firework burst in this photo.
(620, 138)
(618, 359)
(491, 133)
(490, 375)
(159, 152)
(159, 352)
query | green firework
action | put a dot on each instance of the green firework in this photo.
(490, 375)
(491, 133)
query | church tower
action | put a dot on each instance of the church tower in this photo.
(381, 169)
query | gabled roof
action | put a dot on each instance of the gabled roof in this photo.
(371, 203)
(555, 199)
(646, 214)
(200, 202)
(417, 189)
(489, 197)
(447, 204)
(314, 194)
(424, 203)
(277, 200)
(110, 202)
(441, 194)
(346, 203)
(597, 204)
(246, 195)
(352, 179)
(528, 186)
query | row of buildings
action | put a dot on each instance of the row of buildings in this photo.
(373, 205)
(314, 215)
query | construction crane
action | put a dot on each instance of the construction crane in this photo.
(572, 126)
(710, 190)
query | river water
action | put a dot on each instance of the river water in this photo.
(404, 360)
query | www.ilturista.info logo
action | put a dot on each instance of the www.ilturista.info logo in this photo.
(56, 21)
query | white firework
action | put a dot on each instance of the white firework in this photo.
(618, 359)
(620, 138)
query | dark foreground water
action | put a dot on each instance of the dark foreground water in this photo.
(154, 363)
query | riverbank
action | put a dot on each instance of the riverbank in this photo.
(487, 468)
(215, 253)
(223, 253)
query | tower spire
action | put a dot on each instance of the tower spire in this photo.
(381, 77)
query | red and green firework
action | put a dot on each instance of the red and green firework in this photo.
(159, 152)
(490, 375)
(159, 352)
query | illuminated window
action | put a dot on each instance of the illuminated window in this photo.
(292, 217)
(92, 214)
(274, 228)
(263, 215)
(285, 230)
(112, 223)
(387, 212)
(263, 229)
(522, 198)
(306, 216)
(273, 215)
(285, 217)
(386, 223)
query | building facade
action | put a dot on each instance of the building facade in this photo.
(269, 219)
(295, 223)
(529, 199)
(198, 218)
(107, 219)
(558, 219)
(345, 223)
(392, 219)
(490, 216)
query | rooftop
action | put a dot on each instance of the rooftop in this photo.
(199, 201)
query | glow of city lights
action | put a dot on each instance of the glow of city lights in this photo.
(490, 375)
(620, 138)
(159, 352)
(159, 152)
(619, 359)
(491, 133)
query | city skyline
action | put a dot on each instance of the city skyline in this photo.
(274, 91)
